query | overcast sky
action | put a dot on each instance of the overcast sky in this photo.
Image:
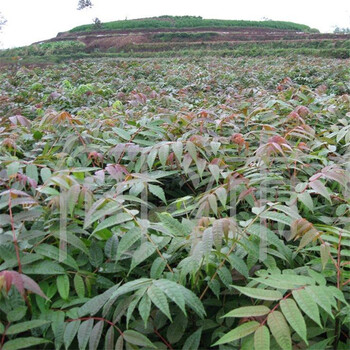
(34, 20)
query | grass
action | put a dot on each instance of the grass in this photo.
(190, 22)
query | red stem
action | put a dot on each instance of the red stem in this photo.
(3, 336)
(278, 304)
(162, 339)
(346, 282)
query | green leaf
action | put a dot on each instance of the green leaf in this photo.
(16, 314)
(215, 287)
(225, 276)
(247, 343)
(137, 338)
(73, 240)
(192, 342)
(325, 251)
(131, 286)
(58, 326)
(263, 294)
(294, 317)
(129, 238)
(213, 203)
(119, 345)
(172, 291)
(262, 338)
(23, 343)
(158, 192)
(176, 330)
(320, 188)
(159, 299)
(96, 303)
(43, 268)
(145, 250)
(248, 311)
(307, 304)
(145, 308)
(55, 253)
(84, 333)
(152, 157)
(72, 198)
(79, 286)
(93, 214)
(175, 227)
(215, 146)
(132, 305)
(215, 171)
(95, 335)
(70, 333)
(193, 302)
(337, 293)
(306, 199)
(63, 286)
(282, 281)
(157, 268)
(32, 172)
(111, 247)
(280, 330)
(96, 255)
(221, 194)
(238, 332)
(109, 338)
(113, 221)
(25, 326)
(163, 154)
(13, 168)
(192, 150)
(278, 217)
(319, 295)
(122, 133)
(177, 147)
(238, 264)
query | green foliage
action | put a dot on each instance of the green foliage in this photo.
(175, 203)
(190, 21)
(45, 49)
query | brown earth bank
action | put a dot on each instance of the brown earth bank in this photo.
(124, 39)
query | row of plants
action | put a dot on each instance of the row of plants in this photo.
(191, 22)
(171, 36)
(65, 50)
(175, 204)
(45, 49)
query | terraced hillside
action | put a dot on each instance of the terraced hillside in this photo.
(178, 36)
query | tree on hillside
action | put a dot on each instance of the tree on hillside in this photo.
(82, 4)
(2, 21)
(342, 30)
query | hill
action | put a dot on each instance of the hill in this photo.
(190, 22)
(168, 36)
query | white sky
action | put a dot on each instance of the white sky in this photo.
(34, 20)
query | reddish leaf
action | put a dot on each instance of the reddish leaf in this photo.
(32, 286)
(21, 282)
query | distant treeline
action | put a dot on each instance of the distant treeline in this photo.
(190, 22)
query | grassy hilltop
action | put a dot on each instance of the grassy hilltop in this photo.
(191, 22)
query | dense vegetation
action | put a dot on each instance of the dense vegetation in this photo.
(176, 45)
(191, 22)
(175, 203)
